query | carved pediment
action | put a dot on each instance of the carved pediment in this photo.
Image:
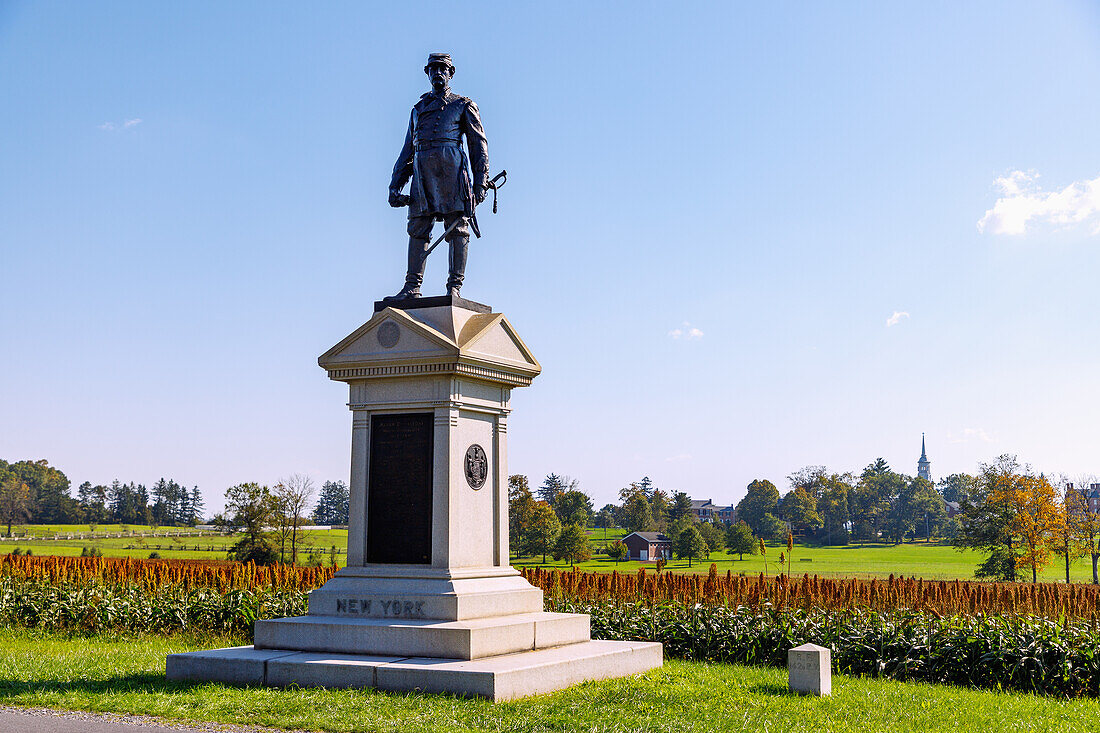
(398, 343)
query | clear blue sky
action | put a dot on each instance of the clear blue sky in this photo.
(714, 212)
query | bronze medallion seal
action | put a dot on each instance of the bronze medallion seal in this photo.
(477, 466)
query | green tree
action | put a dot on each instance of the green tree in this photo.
(542, 532)
(680, 508)
(521, 513)
(928, 507)
(739, 540)
(800, 509)
(832, 505)
(659, 504)
(197, 506)
(572, 545)
(957, 487)
(332, 503)
(518, 484)
(573, 507)
(872, 497)
(50, 501)
(250, 508)
(15, 501)
(762, 498)
(638, 515)
(604, 519)
(773, 529)
(712, 535)
(690, 544)
(554, 486)
(810, 478)
(617, 551)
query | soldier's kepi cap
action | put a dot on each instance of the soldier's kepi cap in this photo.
(440, 58)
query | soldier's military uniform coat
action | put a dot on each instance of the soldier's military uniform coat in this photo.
(443, 178)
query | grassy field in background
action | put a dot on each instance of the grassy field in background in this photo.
(212, 546)
(49, 530)
(933, 561)
(126, 675)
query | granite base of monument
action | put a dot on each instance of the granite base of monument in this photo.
(498, 678)
(428, 601)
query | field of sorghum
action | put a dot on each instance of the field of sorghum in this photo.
(1042, 638)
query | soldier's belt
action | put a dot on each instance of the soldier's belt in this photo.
(433, 144)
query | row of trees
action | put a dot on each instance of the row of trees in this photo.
(536, 526)
(270, 520)
(332, 503)
(1021, 520)
(35, 491)
(833, 508)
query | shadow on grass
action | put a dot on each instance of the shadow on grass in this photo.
(139, 682)
(772, 688)
(153, 682)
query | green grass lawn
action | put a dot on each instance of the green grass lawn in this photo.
(211, 546)
(922, 560)
(126, 675)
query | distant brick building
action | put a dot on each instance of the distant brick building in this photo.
(648, 546)
(701, 509)
(1091, 496)
(705, 510)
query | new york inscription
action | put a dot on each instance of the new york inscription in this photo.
(377, 607)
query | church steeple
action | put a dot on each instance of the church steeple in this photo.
(924, 466)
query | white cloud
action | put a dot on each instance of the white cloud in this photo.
(686, 331)
(970, 434)
(896, 318)
(126, 125)
(1024, 202)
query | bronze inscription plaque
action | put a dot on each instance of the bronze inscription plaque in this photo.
(399, 489)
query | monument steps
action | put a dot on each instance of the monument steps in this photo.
(498, 678)
(468, 639)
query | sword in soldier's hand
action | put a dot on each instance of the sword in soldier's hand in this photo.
(494, 184)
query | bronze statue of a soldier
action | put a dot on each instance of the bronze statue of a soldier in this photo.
(446, 185)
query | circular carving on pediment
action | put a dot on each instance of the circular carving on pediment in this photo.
(477, 466)
(388, 335)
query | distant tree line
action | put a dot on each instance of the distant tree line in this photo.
(834, 508)
(34, 491)
(271, 521)
(550, 521)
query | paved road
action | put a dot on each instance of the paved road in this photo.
(42, 720)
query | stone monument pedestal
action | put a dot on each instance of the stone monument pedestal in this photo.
(428, 600)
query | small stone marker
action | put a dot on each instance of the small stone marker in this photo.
(810, 670)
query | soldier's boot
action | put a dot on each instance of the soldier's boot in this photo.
(414, 276)
(459, 247)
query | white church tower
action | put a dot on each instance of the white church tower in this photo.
(924, 466)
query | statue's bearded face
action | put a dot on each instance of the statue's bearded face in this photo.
(439, 75)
